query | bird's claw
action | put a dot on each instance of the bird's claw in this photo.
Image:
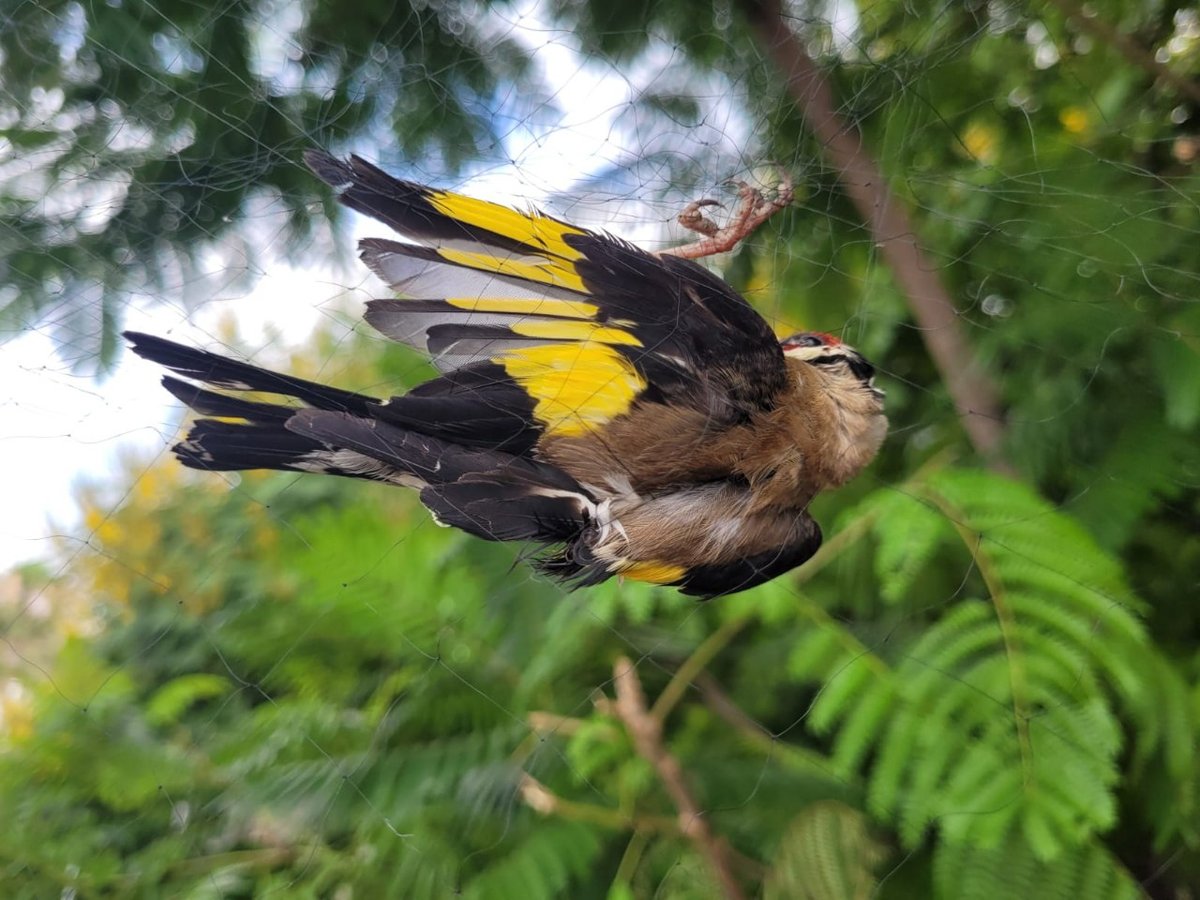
(694, 220)
(753, 209)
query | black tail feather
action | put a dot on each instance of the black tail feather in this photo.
(210, 403)
(426, 457)
(229, 446)
(432, 459)
(492, 507)
(261, 440)
(220, 371)
(497, 492)
(489, 493)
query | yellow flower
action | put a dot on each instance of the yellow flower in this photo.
(1074, 119)
(981, 143)
(16, 711)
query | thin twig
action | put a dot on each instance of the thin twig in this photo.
(722, 704)
(797, 758)
(552, 723)
(1135, 54)
(892, 230)
(693, 665)
(541, 799)
(647, 734)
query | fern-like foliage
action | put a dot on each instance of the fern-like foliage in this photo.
(1002, 719)
(972, 873)
(827, 853)
(956, 698)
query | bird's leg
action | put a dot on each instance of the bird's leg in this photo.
(753, 210)
(694, 220)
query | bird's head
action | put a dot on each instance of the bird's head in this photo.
(837, 395)
(840, 365)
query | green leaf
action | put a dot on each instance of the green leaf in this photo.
(1178, 365)
(1014, 871)
(909, 530)
(827, 853)
(1002, 716)
(540, 867)
(170, 701)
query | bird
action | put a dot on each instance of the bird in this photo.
(625, 412)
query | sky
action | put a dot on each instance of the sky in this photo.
(58, 429)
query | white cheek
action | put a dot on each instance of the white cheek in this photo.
(804, 354)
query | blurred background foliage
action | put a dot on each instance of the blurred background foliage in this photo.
(982, 687)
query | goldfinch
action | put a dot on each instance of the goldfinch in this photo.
(627, 412)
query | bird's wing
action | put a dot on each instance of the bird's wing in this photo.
(582, 323)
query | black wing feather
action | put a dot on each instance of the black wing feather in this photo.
(210, 403)
(740, 575)
(701, 344)
(399, 204)
(477, 406)
(695, 330)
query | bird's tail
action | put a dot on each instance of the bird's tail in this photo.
(489, 493)
(249, 434)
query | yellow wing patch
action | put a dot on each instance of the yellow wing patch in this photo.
(577, 387)
(551, 271)
(532, 229)
(651, 571)
(518, 306)
(575, 331)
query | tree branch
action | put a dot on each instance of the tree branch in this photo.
(795, 757)
(892, 230)
(541, 799)
(694, 665)
(646, 731)
(1135, 54)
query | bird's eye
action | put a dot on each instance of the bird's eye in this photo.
(808, 339)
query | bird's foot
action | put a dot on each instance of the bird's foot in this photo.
(753, 209)
(693, 219)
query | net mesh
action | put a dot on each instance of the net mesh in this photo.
(244, 684)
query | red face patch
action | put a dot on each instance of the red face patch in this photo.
(810, 339)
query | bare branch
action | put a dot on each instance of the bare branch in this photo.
(541, 799)
(891, 228)
(647, 734)
(694, 665)
(552, 723)
(722, 704)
